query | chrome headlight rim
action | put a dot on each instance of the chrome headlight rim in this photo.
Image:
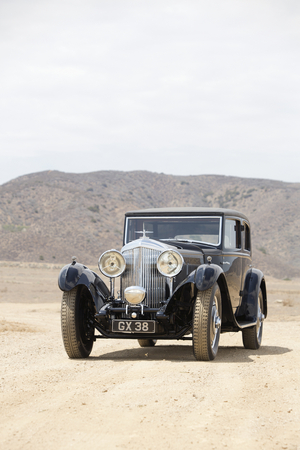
(176, 256)
(103, 260)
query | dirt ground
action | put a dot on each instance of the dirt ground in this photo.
(129, 397)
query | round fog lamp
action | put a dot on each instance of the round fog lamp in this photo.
(134, 294)
(169, 263)
(112, 263)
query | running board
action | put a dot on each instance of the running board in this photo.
(245, 324)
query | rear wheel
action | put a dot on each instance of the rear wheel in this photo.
(147, 342)
(77, 322)
(207, 323)
(252, 337)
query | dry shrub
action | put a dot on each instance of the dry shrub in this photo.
(288, 302)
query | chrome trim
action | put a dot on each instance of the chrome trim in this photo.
(146, 242)
(176, 217)
(141, 270)
(105, 273)
(180, 257)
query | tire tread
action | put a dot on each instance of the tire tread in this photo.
(147, 342)
(72, 344)
(250, 338)
(201, 325)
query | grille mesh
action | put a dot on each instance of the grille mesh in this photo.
(141, 270)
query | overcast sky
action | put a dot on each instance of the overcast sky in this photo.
(183, 87)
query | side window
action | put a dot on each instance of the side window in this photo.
(247, 243)
(232, 234)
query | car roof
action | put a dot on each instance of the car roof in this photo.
(192, 211)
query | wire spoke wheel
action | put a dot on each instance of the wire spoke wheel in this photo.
(77, 322)
(207, 323)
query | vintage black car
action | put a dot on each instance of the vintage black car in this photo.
(183, 273)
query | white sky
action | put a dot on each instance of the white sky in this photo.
(183, 87)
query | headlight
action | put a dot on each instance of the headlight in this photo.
(169, 263)
(112, 263)
(134, 294)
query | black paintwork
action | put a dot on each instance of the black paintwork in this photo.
(204, 266)
(75, 274)
(253, 282)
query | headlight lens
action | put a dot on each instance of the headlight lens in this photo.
(112, 263)
(134, 294)
(169, 263)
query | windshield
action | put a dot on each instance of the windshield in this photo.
(194, 229)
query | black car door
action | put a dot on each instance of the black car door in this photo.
(233, 259)
(246, 246)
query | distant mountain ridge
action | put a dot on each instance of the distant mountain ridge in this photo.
(51, 216)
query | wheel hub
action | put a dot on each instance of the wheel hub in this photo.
(260, 318)
(216, 323)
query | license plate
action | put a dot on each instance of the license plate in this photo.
(133, 326)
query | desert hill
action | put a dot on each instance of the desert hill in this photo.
(51, 216)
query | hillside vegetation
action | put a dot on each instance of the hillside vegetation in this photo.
(52, 216)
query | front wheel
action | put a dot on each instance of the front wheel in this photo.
(77, 322)
(252, 337)
(207, 323)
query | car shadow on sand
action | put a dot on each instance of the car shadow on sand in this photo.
(181, 353)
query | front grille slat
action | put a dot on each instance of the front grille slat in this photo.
(141, 270)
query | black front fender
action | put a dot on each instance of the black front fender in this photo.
(206, 275)
(76, 274)
(203, 278)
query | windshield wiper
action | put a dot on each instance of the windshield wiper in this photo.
(182, 240)
(189, 241)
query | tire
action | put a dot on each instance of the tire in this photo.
(252, 337)
(207, 323)
(147, 342)
(77, 322)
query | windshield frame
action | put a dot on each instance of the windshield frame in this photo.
(127, 218)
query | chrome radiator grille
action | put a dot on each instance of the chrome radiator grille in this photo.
(141, 270)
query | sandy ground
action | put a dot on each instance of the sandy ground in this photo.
(128, 397)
